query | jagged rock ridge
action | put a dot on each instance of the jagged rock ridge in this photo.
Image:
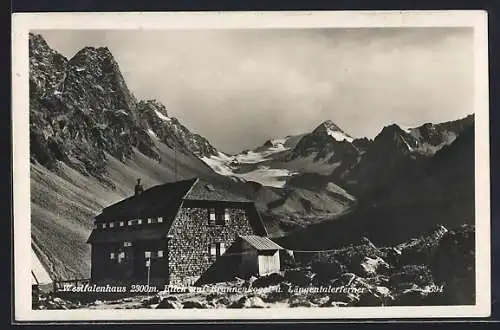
(81, 109)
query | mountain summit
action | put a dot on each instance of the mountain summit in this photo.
(327, 142)
(329, 128)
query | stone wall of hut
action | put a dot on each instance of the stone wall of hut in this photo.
(190, 239)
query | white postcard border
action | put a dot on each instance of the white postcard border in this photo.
(22, 23)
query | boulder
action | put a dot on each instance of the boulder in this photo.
(411, 297)
(254, 302)
(279, 292)
(194, 304)
(347, 278)
(320, 300)
(248, 302)
(169, 304)
(344, 297)
(223, 301)
(369, 299)
(269, 280)
(412, 275)
(151, 300)
(326, 271)
(248, 283)
(285, 287)
(211, 296)
(372, 266)
(376, 296)
(300, 301)
(299, 277)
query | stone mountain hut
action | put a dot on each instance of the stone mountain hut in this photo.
(179, 230)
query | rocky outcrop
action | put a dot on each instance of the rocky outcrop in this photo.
(327, 141)
(81, 109)
(171, 132)
(395, 154)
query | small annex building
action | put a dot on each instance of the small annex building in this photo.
(249, 255)
(260, 255)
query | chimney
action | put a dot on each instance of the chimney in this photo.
(138, 188)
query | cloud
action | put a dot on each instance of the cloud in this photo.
(241, 87)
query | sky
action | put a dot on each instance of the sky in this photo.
(239, 88)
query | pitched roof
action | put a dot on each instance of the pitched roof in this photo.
(261, 243)
(155, 200)
(203, 190)
(151, 202)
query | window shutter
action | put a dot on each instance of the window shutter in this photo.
(213, 250)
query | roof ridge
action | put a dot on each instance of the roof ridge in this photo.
(195, 181)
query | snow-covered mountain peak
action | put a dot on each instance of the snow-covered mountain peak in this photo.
(329, 128)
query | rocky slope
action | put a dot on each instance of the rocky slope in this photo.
(170, 131)
(81, 109)
(395, 154)
(439, 191)
(436, 268)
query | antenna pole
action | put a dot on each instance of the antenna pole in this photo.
(175, 163)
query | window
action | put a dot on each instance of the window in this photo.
(112, 255)
(212, 217)
(139, 221)
(150, 220)
(130, 222)
(160, 219)
(127, 244)
(213, 250)
(95, 226)
(218, 217)
(122, 223)
(104, 225)
(111, 224)
(216, 249)
(160, 254)
(147, 254)
(121, 256)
